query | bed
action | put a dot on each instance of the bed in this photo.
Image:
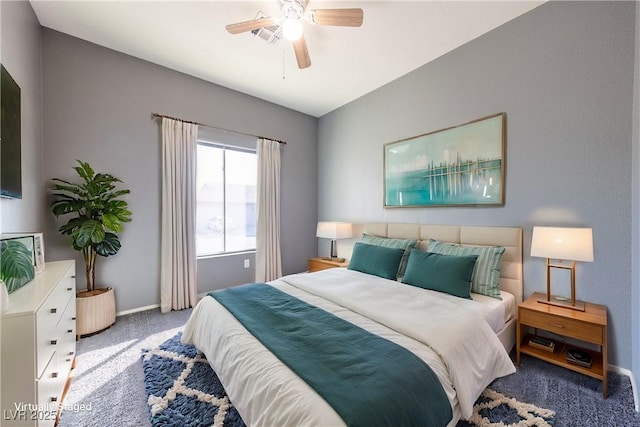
(463, 341)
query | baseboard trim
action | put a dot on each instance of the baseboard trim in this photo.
(136, 310)
(627, 372)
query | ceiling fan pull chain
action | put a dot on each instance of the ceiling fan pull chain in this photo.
(283, 73)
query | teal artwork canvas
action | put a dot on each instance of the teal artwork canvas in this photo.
(459, 165)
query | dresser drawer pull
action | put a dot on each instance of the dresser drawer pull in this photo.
(71, 353)
(556, 325)
(69, 289)
(69, 331)
(54, 375)
(54, 342)
(73, 318)
(54, 399)
(54, 310)
(73, 277)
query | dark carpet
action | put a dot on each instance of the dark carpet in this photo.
(576, 398)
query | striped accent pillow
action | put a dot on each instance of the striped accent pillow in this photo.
(392, 243)
(486, 274)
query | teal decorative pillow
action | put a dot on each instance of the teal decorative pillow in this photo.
(405, 244)
(486, 275)
(376, 260)
(442, 273)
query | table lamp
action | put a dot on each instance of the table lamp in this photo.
(333, 231)
(561, 245)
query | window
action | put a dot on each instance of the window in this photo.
(225, 199)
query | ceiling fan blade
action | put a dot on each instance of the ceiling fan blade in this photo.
(254, 24)
(302, 53)
(338, 17)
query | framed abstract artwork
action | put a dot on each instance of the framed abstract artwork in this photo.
(458, 166)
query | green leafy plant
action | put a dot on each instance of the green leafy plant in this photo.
(16, 264)
(97, 215)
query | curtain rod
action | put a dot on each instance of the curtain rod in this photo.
(157, 115)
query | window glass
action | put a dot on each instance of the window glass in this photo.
(226, 199)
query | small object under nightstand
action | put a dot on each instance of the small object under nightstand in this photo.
(544, 344)
(317, 264)
(588, 326)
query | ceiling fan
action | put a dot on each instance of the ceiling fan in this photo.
(292, 12)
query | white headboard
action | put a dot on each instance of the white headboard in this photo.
(508, 237)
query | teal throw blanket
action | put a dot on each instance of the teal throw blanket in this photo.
(367, 380)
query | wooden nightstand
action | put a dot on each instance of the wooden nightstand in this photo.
(586, 326)
(317, 264)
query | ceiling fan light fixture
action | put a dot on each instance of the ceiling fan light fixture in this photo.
(292, 29)
(288, 25)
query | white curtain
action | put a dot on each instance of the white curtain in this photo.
(178, 287)
(268, 262)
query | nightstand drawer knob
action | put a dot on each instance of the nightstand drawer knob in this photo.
(54, 310)
(556, 325)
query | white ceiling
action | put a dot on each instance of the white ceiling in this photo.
(189, 36)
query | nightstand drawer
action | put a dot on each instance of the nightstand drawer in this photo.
(563, 326)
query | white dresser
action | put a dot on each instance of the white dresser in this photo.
(38, 346)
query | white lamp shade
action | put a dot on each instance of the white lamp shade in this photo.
(573, 244)
(334, 230)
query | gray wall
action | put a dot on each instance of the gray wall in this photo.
(563, 73)
(97, 108)
(21, 50)
(635, 253)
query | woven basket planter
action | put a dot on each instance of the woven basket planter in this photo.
(95, 310)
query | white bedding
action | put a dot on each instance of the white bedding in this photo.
(494, 311)
(447, 333)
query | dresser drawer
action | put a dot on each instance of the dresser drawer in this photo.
(50, 386)
(46, 336)
(48, 318)
(563, 326)
(66, 350)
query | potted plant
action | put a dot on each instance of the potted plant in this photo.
(97, 214)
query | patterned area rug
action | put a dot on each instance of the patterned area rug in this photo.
(183, 390)
(497, 410)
